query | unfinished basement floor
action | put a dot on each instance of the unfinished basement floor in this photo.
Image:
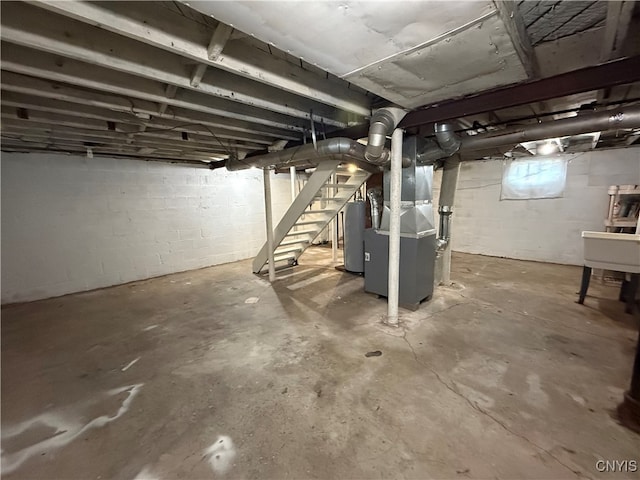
(214, 373)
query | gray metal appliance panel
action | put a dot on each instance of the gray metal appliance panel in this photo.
(354, 220)
(417, 259)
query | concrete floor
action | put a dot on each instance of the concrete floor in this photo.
(215, 373)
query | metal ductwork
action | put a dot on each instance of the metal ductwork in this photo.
(375, 199)
(596, 122)
(447, 138)
(339, 148)
(447, 144)
(382, 124)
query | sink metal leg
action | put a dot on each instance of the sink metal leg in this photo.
(584, 286)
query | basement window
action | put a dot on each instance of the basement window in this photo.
(525, 179)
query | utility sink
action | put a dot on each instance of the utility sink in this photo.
(612, 251)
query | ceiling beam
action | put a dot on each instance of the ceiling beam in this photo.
(218, 40)
(40, 88)
(74, 148)
(617, 72)
(44, 120)
(33, 27)
(44, 104)
(147, 23)
(91, 141)
(87, 142)
(170, 92)
(104, 141)
(515, 27)
(198, 72)
(31, 62)
(617, 25)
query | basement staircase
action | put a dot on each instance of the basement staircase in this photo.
(301, 224)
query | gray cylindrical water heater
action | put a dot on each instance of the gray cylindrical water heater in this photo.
(354, 221)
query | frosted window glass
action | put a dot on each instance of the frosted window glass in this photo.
(525, 179)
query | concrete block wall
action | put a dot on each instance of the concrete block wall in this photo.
(547, 230)
(70, 223)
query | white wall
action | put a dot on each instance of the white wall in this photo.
(70, 223)
(547, 229)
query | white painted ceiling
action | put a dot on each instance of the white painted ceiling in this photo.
(411, 53)
(174, 81)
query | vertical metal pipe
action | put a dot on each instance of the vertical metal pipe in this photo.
(395, 196)
(292, 172)
(448, 188)
(334, 225)
(269, 220)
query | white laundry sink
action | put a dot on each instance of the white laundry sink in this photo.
(612, 251)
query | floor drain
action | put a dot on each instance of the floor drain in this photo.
(375, 353)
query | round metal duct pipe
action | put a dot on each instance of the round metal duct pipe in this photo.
(339, 148)
(382, 124)
(597, 122)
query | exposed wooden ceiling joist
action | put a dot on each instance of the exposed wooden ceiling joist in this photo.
(122, 151)
(35, 63)
(41, 88)
(86, 127)
(33, 27)
(144, 22)
(30, 103)
(96, 140)
(617, 25)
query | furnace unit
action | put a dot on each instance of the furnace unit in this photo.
(417, 235)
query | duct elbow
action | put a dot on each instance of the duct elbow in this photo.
(447, 138)
(383, 122)
(447, 143)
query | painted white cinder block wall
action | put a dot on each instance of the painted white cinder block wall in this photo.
(70, 223)
(546, 230)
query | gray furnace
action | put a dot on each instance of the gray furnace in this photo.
(417, 235)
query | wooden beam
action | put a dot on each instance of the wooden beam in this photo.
(197, 74)
(32, 27)
(41, 89)
(515, 27)
(71, 147)
(169, 92)
(13, 99)
(97, 140)
(102, 139)
(39, 64)
(40, 120)
(147, 23)
(218, 41)
(619, 15)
